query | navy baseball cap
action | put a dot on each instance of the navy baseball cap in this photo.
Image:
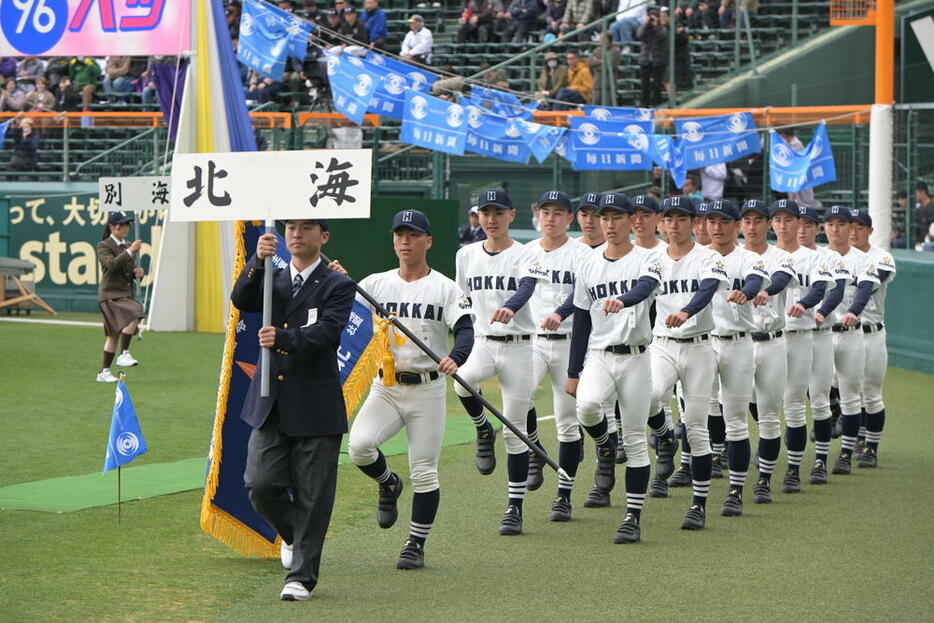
(645, 202)
(841, 212)
(757, 206)
(118, 218)
(494, 198)
(809, 213)
(786, 205)
(861, 216)
(589, 200)
(618, 202)
(677, 203)
(555, 197)
(722, 207)
(700, 208)
(411, 219)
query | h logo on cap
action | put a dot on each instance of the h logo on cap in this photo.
(782, 203)
(854, 213)
(610, 198)
(591, 198)
(553, 194)
(717, 204)
(407, 216)
(491, 195)
(676, 201)
(802, 210)
(640, 199)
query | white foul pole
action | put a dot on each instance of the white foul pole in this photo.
(880, 175)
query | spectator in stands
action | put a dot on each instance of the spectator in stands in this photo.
(55, 68)
(471, 232)
(553, 78)
(68, 100)
(521, 18)
(84, 73)
(727, 13)
(580, 84)
(27, 70)
(653, 58)
(494, 77)
(554, 15)
(899, 210)
(416, 47)
(12, 98)
(449, 86)
(262, 90)
(310, 11)
(576, 15)
(7, 68)
(117, 77)
(698, 15)
(684, 73)
(690, 188)
(232, 15)
(352, 27)
(40, 99)
(713, 178)
(374, 18)
(924, 211)
(475, 22)
(595, 61)
(25, 145)
(627, 24)
(332, 21)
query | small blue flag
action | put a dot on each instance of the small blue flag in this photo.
(264, 39)
(565, 148)
(717, 139)
(609, 145)
(495, 136)
(352, 85)
(791, 171)
(433, 123)
(541, 139)
(394, 77)
(665, 151)
(126, 440)
(617, 113)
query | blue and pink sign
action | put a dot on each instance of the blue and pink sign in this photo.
(94, 27)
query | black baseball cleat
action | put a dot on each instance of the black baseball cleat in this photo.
(386, 509)
(867, 459)
(597, 498)
(658, 488)
(536, 477)
(791, 483)
(412, 555)
(762, 491)
(860, 447)
(605, 474)
(695, 518)
(818, 473)
(682, 477)
(620, 453)
(716, 467)
(486, 457)
(628, 531)
(665, 457)
(560, 509)
(843, 464)
(511, 523)
(733, 504)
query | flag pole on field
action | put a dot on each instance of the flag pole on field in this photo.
(126, 441)
(119, 507)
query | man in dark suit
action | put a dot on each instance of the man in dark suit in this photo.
(297, 430)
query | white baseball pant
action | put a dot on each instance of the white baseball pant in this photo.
(877, 361)
(551, 357)
(799, 351)
(822, 372)
(694, 364)
(849, 359)
(736, 373)
(771, 364)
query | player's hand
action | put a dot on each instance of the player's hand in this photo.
(819, 319)
(613, 306)
(136, 246)
(551, 322)
(138, 272)
(850, 320)
(796, 310)
(447, 366)
(761, 299)
(266, 246)
(335, 265)
(503, 314)
(267, 337)
(675, 320)
(737, 296)
(570, 387)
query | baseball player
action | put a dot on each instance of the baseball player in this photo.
(849, 352)
(822, 348)
(732, 344)
(493, 274)
(588, 218)
(877, 357)
(771, 358)
(611, 333)
(554, 260)
(809, 289)
(427, 303)
(681, 349)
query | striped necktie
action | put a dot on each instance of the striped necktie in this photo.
(297, 284)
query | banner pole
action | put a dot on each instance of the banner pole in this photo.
(119, 508)
(267, 313)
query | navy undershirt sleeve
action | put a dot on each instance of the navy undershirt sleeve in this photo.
(883, 275)
(836, 295)
(463, 340)
(814, 296)
(779, 281)
(863, 291)
(642, 290)
(752, 286)
(567, 307)
(522, 295)
(702, 297)
(580, 336)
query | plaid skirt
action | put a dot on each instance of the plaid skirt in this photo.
(118, 313)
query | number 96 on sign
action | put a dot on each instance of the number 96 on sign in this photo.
(33, 26)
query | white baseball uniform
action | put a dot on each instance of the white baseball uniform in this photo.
(873, 318)
(607, 376)
(501, 349)
(428, 307)
(849, 349)
(822, 342)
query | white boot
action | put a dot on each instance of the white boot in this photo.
(104, 376)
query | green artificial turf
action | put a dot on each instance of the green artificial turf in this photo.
(858, 549)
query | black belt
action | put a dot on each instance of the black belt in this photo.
(413, 378)
(554, 337)
(839, 328)
(797, 331)
(765, 337)
(509, 338)
(703, 337)
(735, 336)
(873, 328)
(625, 349)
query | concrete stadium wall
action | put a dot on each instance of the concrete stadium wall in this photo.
(909, 312)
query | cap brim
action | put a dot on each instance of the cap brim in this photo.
(665, 211)
(557, 204)
(412, 227)
(721, 213)
(495, 205)
(756, 210)
(794, 213)
(619, 209)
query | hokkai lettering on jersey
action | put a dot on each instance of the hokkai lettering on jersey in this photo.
(492, 282)
(610, 288)
(679, 286)
(407, 309)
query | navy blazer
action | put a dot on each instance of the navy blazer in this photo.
(304, 382)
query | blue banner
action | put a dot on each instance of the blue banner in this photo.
(791, 171)
(665, 151)
(501, 102)
(616, 113)
(609, 145)
(299, 32)
(355, 338)
(495, 136)
(434, 123)
(126, 440)
(717, 139)
(265, 39)
(565, 148)
(352, 86)
(540, 138)
(394, 77)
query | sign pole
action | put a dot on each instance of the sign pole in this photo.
(267, 313)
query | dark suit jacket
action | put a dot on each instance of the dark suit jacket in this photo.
(304, 382)
(117, 266)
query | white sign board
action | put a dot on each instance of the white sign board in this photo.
(134, 194)
(240, 186)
